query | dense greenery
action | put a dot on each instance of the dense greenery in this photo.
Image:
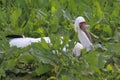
(54, 18)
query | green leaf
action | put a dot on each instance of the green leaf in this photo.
(10, 64)
(101, 61)
(2, 73)
(56, 42)
(64, 77)
(15, 15)
(43, 55)
(92, 61)
(53, 10)
(98, 9)
(54, 24)
(26, 58)
(44, 44)
(107, 29)
(43, 68)
(110, 68)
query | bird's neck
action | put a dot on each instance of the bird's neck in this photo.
(85, 41)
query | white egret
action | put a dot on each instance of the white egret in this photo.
(83, 35)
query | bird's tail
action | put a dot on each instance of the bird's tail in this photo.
(14, 36)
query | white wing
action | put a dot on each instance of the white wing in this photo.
(77, 49)
(23, 42)
(84, 40)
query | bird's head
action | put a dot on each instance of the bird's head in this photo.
(80, 24)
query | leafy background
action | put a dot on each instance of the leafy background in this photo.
(54, 18)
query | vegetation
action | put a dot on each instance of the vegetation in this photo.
(54, 18)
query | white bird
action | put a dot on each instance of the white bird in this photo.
(80, 28)
(83, 35)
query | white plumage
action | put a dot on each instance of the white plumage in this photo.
(85, 41)
(77, 49)
(23, 42)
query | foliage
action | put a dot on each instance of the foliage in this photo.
(54, 18)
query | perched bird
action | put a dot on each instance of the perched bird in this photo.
(83, 35)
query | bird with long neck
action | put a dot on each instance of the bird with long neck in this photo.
(83, 36)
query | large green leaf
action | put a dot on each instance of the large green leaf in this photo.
(15, 15)
(92, 60)
(26, 58)
(44, 55)
(43, 68)
(10, 64)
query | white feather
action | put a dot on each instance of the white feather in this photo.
(23, 42)
(85, 42)
(77, 49)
